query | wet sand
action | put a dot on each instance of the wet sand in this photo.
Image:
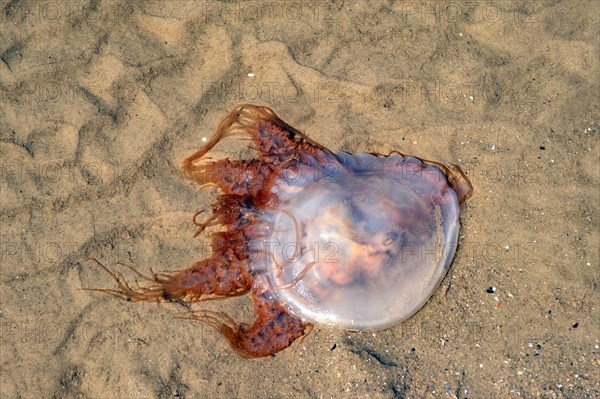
(100, 102)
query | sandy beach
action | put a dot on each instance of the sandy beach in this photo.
(100, 101)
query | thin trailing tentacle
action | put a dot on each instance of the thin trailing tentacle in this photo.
(125, 291)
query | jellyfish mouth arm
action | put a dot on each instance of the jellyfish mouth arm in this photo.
(273, 330)
(239, 177)
(273, 139)
(212, 278)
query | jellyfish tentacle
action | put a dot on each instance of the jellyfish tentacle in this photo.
(296, 279)
(295, 256)
(201, 226)
(124, 289)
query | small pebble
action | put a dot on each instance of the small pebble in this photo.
(490, 290)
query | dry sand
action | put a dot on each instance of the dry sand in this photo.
(100, 101)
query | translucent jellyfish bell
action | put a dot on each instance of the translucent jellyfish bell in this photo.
(362, 245)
